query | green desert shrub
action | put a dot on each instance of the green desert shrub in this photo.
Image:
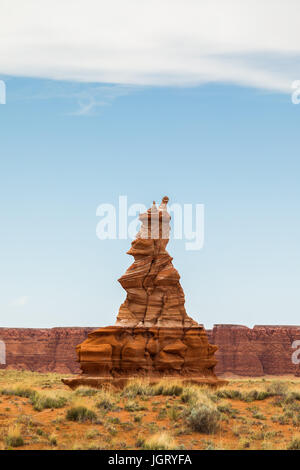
(254, 395)
(81, 414)
(19, 392)
(105, 404)
(86, 392)
(42, 402)
(228, 410)
(230, 393)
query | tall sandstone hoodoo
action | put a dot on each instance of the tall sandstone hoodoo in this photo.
(153, 335)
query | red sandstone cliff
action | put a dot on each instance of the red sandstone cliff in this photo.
(43, 350)
(262, 350)
(242, 351)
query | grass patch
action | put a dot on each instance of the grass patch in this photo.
(107, 400)
(277, 387)
(86, 392)
(41, 402)
(134, 406)
(19, 392)
(14, 437)
(137, 387)
(161, 441)
(81, 414)
(168, 388)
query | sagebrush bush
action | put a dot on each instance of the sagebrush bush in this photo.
(204, 418)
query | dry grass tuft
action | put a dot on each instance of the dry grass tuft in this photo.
(14, 437)
(161, 441)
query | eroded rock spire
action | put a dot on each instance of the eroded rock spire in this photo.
(154, 294)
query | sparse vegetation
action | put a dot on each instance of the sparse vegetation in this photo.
(41, 402)
(38, 412)
(18, 392)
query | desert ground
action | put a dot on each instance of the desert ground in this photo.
(37, 411)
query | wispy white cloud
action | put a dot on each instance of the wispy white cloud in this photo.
(20, 301)
(159, 42)
(97, 96)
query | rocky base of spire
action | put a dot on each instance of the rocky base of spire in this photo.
(115, 354)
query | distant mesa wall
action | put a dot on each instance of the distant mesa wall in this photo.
(42, 350)
(258, 351)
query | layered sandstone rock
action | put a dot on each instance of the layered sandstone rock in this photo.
(263, 350)
(153, 335)
(154, 294)
(42, 349)
(258, 351)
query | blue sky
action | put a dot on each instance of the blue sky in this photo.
(145, 99)
(67, 147)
